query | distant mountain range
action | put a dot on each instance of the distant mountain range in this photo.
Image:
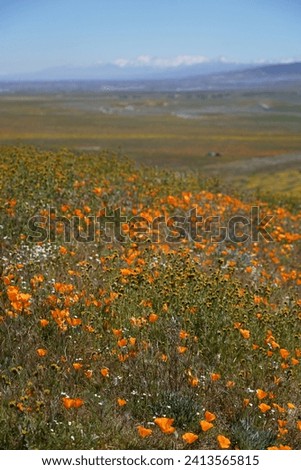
(126, 70)
(202, 76)
(249, 77)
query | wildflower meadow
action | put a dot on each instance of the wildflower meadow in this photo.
(143, 308)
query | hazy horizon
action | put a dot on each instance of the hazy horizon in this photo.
(69, 33)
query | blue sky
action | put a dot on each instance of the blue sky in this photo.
(37, 34)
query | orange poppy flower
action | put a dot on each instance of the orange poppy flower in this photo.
(284, 353)
(215, 377)
(194, 381)
(165, 424)
(20, 406)
(291, 406)
(144, 432)
(117, 333)
(63, 288)
(132, 341)
(7, 279)
(264, 407)
(77, 402)
(279, 408)
(97, 191)
(223, 441)
(182, 349)
(205, 425)
(282, 423)
(122, 357)
(122, 342)
(44, 322)
(72, 402)
(67, 402)
(282, 432)
(153, 318)
(299, 425)
(261, 394)
(42, 352)
(89, 328)
(74, 321)
(209, 416)
(126, 271)
(77, 365)
(183, 334)
(121, 401)
(230, 384)
(104, 372)
(189, 437)
(245, 333)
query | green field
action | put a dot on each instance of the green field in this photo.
(173, 130)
